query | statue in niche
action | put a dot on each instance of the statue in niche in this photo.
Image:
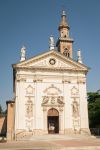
(45, 99)
(29, 109)
(75, 109)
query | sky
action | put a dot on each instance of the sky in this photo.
(31, 22)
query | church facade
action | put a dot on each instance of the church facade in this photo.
(50, 90)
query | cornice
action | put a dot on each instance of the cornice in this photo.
(64, 40)
(50, 69)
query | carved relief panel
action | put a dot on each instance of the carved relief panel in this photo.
(76, 125)
(29, 124)
(53, 97)
(52, 90)
(75, 109)
(75, 102)
(29, 108)
(74, 91)
(53, 100)
(29, 90)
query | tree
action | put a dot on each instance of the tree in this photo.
(94, 109)
(1, 110)
(92, 96)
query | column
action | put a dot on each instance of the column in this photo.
(61, 121)
(45, 120)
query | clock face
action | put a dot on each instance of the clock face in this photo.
(52, 61)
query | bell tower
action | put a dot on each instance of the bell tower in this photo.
(64, 43)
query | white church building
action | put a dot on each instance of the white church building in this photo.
(50, 90)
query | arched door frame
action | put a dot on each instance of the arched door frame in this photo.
(61, 118)
(53, 120)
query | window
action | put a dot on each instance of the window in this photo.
(66, 52)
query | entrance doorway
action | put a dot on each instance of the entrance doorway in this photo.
(53, 121)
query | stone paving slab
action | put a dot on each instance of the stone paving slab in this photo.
(54, 143)
(64, 148)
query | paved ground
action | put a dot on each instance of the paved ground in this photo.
(53, 142)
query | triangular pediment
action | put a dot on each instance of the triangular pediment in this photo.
(51, 60)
